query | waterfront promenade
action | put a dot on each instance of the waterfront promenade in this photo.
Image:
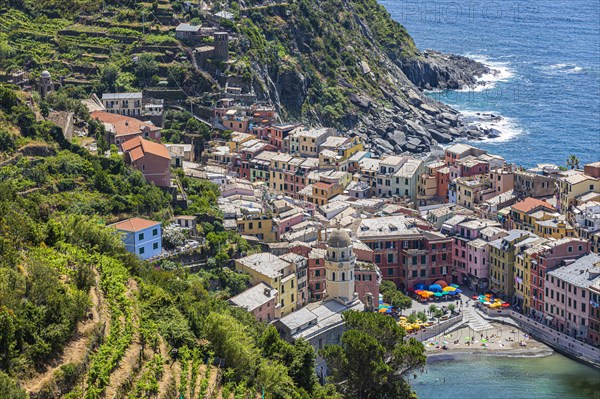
(558, 341)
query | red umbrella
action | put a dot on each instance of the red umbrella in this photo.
(441, 283)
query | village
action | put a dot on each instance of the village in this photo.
(332, 220)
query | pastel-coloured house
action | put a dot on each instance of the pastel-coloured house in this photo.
(141, 236)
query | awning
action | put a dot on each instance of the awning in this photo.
(549, 318)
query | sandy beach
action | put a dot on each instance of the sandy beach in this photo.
(501, 340)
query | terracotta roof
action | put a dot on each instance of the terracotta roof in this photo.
(528, 204)
(123, 125)
(134, 224)
(323, 185)
(137, 147)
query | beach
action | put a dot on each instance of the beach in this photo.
(501, 340)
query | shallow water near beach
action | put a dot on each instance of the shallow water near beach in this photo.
(482, 377)
(548, 53)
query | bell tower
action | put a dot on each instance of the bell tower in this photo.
(339, 267)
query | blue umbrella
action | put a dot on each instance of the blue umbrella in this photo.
(435, 287)
(452, 292)
(419, 286)
(457, 291)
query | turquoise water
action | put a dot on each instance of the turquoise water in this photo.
(549, 55)
(552, 377)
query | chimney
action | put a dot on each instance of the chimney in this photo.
(126, 123)
(267, 292)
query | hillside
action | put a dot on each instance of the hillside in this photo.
(80, 317)
(336, 63)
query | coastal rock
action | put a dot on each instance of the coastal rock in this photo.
(397, 137)
(440, 137)
(436, 70)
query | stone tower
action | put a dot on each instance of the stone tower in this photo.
(221, 44)
(46, 85)
(339, 267)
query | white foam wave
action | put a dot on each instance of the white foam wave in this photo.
(508, 127)
(499, 72)
(567, 68)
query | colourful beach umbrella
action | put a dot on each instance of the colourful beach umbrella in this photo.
(435, 287)
(454, 285)
(438, 294)
(457, 291)
(441, 283)
(449, 289)
(419, 286)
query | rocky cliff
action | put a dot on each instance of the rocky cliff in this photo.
(346, 63)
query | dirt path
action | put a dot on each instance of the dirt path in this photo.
(75, 350)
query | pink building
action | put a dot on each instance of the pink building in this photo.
(465, 233)
(277, 133)
(551, 255)
(478, 265)
(260, 300)
(502, 180)
(152, 159)
(287, 220)
(366, 280)
(316, 273)
(568, 295)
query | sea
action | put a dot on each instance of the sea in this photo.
(546, 54)
(546, 87)
(551, 377)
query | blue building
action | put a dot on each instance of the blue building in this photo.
(141, 237)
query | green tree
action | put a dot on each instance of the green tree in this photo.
(373, 357)
(9, 390)
(108, 77)
(393, 296)
(7, 141)
(452, 307)
(145, 68)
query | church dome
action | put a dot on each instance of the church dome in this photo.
(339, 239)
(45, 74)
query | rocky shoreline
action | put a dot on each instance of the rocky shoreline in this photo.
(416, 123)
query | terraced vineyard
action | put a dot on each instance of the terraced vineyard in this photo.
(77, 49)
(115, 357)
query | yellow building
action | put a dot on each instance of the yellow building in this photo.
(278, 274)
(503, 253)
(522, 280)
(553, 226)
(471, 191)
(572, 184)
(524, 214)
(280, 165)
(320, 192)
(260, 226)
(237, 139)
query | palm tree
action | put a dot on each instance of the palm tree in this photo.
(573, 161)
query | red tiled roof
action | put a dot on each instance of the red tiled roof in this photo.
(323, 185)
(124, 125)
(137, 147)
(134, 224)
(528, 204)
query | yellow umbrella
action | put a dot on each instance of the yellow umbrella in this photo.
(449, 289)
